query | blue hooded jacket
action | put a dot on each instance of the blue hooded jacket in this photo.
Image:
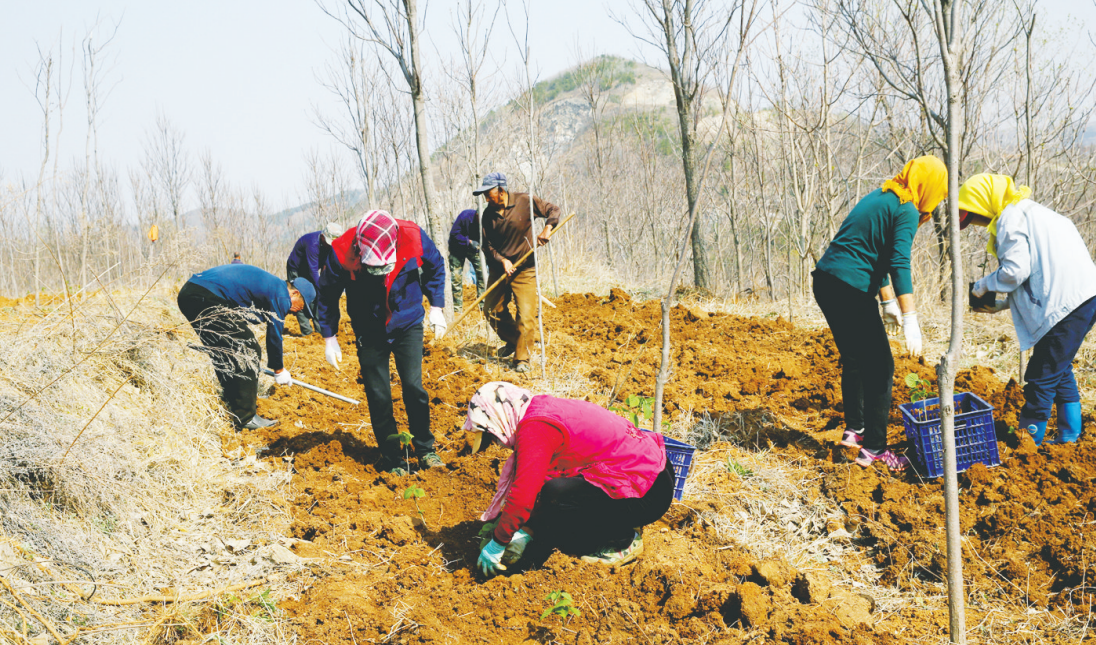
(465, 229)
(365, 294)
(249, 286)
(307, 258)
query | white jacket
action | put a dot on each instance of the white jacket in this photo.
(1045, 269)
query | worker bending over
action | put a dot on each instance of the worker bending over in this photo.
(385, 266)
(871, 248)
(464, 244)
(507, 235)
(1048, 274)
(580, 478)
(220, 303)
(307, 260)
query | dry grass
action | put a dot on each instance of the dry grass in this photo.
(114, 485)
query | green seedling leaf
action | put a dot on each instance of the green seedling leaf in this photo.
(632, 401)
(413, 491)
(738, 469)
(562, 605)
(912, 380)
(487, 533)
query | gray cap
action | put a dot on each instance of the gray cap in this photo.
(495, 179)
(332, 231)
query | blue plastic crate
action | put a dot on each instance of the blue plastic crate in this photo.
(975, 440)
(680, 455)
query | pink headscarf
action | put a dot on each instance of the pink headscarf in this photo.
(376, 238)
(498, 408)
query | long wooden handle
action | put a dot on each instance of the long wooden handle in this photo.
(470, 308)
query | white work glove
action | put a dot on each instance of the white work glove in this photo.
(332, 352)
(980, 289)
(437, 321)
(913, 333)
(892, 316)
(283, 378)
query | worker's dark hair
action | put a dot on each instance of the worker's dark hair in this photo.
(236, 255)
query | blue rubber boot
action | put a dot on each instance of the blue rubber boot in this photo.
(1038, 429)
(1069, 422)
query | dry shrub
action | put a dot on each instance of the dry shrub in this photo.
(113, 480)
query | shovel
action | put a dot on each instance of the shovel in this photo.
(293, 381)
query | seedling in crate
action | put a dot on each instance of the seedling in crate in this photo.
(562, 606)
(920, 389)
(414, 493)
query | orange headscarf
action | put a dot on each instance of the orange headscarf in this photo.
(923, 181)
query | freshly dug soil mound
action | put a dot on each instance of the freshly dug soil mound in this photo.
(409, 572)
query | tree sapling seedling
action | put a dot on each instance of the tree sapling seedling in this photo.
(486, 533)
(639, 410)
(404, 438)
(414, 493)
(920, 390)
(562, 606)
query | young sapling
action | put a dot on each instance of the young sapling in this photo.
(562, 606)
(486, 533)
(414, 493)
(639, 410)
(404, 438)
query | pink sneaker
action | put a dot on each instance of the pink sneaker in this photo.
(852, 438)
(897, 463)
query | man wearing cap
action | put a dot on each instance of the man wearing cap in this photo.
(507, 235)
(220, 303)
(385, 266)
(307, 259)
(464, 244)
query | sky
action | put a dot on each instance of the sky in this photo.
(239, 78)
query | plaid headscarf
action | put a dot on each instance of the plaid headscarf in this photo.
(376, 238)
(498, 408)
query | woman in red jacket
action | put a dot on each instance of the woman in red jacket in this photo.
(580, 479)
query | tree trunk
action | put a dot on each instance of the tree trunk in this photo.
(422, 139)
(947, 28)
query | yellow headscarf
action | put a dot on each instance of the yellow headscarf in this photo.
(988, 195)
(923, 181)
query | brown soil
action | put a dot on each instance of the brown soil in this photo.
(411, 578)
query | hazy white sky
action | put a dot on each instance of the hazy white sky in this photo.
(238, 77)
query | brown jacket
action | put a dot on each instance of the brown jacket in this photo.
(507, 231)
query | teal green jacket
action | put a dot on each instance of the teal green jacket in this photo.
(873, 245)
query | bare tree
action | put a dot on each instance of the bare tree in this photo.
(354, 81)
(688, 33)
(167, 163)
(95, 93)
(394, 26)
(743, 16)
(44, 79)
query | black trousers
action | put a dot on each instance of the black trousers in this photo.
(230, 343)
(867, 366)
(579, 518)
(406, 347)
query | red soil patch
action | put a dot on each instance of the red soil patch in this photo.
(412, 579)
